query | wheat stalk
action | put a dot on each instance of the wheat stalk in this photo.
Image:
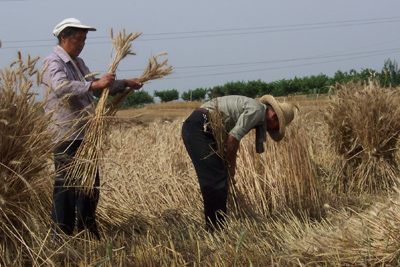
(153, 71)
(85, 167)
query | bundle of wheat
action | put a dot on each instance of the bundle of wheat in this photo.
(364, 123)
(87, 157)
(26, 150)
(154, 70)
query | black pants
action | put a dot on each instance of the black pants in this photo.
(209, 167)
(70, 203)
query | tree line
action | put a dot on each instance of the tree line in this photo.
(309, 85)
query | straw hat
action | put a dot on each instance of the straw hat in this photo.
(70, 22)
(285, 113)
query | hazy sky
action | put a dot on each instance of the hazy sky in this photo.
(211, 42)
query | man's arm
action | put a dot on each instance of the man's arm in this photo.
(107, 80)
(232, 148)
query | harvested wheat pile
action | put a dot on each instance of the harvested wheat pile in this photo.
(364, 126)
(350, 238)
(25, 150)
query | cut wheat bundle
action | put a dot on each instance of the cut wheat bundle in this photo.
(87, 157)
(364, 123)
(25, 153)
(154, 70)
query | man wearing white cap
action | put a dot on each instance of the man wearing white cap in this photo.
(238, 115)
(70, 98)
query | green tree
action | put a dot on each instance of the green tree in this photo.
(199, 94)
(266, 88)
(390, 75)
(217, 91)
(253, 88)
(137, 99)
(366, 74)
(167, 95)
(296, 86)
(235, 88)
(321, 83)
(282, 87)
(341, 77)
(316, 84)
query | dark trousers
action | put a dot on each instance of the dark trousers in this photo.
(70, 203)
(209, 167)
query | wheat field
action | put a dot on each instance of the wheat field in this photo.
(286, 215)
(288, 207)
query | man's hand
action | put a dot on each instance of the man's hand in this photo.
(133, 83)
(106, 81)
(232, 148)
(231, 174)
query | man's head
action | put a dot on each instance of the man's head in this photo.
(71, 35)
(278, 116)
(272, 119)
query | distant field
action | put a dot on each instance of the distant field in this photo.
(172, 110)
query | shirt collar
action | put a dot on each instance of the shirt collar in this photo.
(59, 51)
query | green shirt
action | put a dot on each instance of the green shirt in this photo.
(240, 114)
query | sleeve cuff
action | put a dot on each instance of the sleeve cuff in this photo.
(118, 87)
(238, 132)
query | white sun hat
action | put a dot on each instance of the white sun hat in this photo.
(70, 22)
